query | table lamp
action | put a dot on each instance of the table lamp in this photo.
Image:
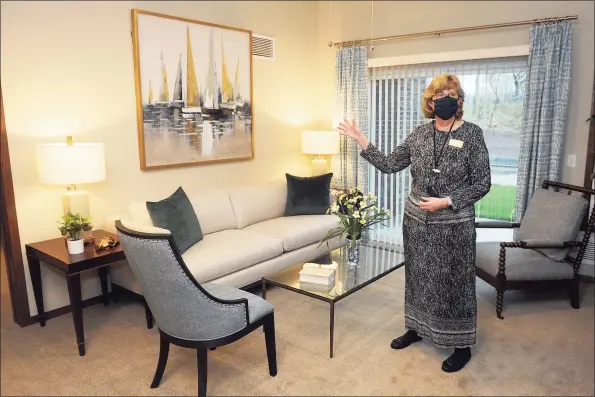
(71, 164)
(320, 143)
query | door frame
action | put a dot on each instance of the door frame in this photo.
(590, 163)
(9, 232)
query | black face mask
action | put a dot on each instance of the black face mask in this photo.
(446, 107)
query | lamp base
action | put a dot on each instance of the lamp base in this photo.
(77, 202)
(319, 166)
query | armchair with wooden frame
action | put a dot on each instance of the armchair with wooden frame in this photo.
(545, 253)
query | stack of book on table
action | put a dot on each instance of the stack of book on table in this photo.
(318, 277)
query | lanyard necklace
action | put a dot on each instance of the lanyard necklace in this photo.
(439, 156)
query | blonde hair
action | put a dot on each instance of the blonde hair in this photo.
(440, 83)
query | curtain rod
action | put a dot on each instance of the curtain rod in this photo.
(455, 30)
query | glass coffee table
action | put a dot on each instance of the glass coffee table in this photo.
(374, 264)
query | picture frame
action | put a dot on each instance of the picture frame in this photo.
(194, 91)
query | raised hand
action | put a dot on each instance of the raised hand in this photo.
(351, 129)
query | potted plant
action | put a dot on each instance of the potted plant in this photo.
(356, 212)
(72, 227)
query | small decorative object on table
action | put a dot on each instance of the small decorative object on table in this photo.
(72, 227)
(357, 212)
(106, 243)
(317, 275)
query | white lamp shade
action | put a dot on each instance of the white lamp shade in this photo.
(63, 164)
(320, 142)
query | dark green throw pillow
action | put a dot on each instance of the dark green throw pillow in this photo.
(177, 215)
(308, 195)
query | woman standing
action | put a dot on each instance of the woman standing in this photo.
(450, 171)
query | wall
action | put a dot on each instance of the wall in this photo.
(67, 69)
(352, 20)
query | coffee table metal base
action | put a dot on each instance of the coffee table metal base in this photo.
(263, 294)
(375, 264)
(321, 298)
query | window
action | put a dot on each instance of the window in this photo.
(494, 92)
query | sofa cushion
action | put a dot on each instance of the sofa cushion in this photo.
(308, 195)
(213, 209)
(296, 231)
(257, 203)
(521, 264)
(228, 251)
(176, 214)
(553, 215)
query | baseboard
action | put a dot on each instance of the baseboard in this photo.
(121, 291)
(64, 310)
(587, 269)
(116, 291)
(587, 278)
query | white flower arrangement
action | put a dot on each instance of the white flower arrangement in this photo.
(356, 212)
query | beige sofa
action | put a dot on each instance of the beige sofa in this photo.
(245, 238)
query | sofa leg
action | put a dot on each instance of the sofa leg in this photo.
(115, 293)
(499, 304)
(163, 354)
(148, 315)
(574, 293)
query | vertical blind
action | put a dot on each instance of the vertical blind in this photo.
(494, 91)
(589, 257)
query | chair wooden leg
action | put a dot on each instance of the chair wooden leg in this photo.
(163, 354)
(574, 293)
(269, 334)
(201, 355)
(501, 285)
(499, 304)
(148, 315)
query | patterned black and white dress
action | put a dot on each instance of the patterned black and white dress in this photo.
(440, 301)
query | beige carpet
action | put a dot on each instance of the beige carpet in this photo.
(542, 347)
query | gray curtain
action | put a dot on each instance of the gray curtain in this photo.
(544, 109)
(351, 102)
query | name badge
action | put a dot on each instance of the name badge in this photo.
(455, 143)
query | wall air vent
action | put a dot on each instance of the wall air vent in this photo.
(263, 47)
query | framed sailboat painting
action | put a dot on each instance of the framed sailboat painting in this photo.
(193, 91)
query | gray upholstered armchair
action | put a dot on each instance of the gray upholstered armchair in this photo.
(187, 313)
(545, 254)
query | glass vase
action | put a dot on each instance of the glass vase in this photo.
(353, 251)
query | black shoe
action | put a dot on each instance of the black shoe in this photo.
(457, 360)
(403, 341)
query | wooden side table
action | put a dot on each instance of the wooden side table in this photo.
(55, 254)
